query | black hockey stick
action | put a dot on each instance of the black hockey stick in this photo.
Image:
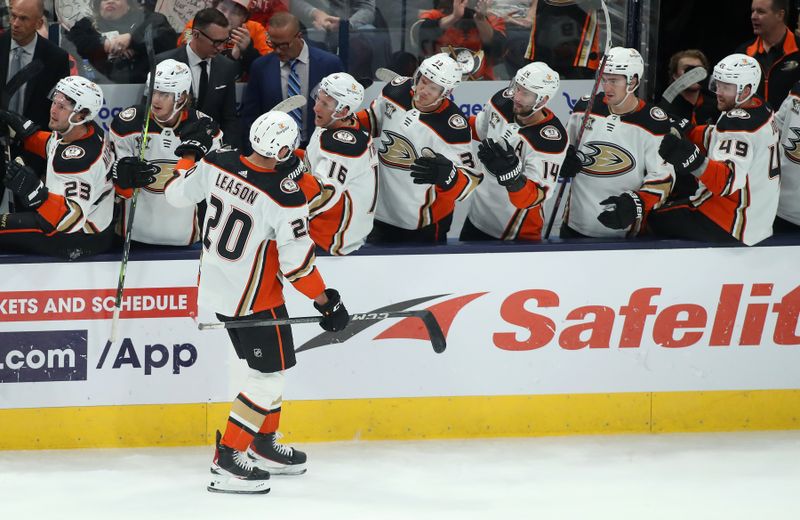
(438, 340)
(579, 138)
(126, 248)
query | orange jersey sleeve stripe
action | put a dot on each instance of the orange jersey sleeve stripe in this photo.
(311, 285)
(37, 143)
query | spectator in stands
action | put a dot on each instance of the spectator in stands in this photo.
(248, 37)
(565, 37)
(451, 25)
(262, 10)
(300, 68)
(213, 75)
(775, 48)
(113, 41)
(518, 17)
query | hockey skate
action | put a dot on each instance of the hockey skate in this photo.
(269, 455)
(233, 472)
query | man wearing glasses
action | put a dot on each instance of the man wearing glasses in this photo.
(213, 74)
(300, 68)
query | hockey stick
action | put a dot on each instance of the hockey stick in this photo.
(385, 75)
(689, 78)
(438, 340)
(289, 104)
(126, 248)
(586, 114)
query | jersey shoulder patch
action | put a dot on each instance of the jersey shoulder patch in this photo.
(548, 136)
(348, 142)
(79, 156)
(399, 91)
(449, 123)
(649, 117)
(503, 105)
(129, 121)
(744, 119)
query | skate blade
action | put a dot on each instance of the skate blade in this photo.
(278, 469)
(238, 487)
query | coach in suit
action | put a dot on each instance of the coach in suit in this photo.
(213, 75)
(19, 47)
(300, 68)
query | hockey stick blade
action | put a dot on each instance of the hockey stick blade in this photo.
(289, 104)
(689, 78)
(435, 333)
(385, 75)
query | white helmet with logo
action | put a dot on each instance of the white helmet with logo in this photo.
(172, 77)
(347, 92)
(272, 132)
(85, 94)
(540, 80)
(626, 62)
(442, 70)
(740, 70)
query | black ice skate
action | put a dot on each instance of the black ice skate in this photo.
(268, 454)
(233, 472)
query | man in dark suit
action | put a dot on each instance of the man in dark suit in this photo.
(300, 68)
(20, 46)
(213, 75)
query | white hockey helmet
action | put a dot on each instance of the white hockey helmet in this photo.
(347, 92)
(442, 70)
(625, 62)
(172, 77)
(272, 132)
(740, 70)
(83, 93)
(538, 79)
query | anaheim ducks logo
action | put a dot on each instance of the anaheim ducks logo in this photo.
(606, 160)
(791, 150)
(165, 171)
(397, 151)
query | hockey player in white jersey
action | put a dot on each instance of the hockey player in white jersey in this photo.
(788, 118)
(737, 164)
(342, 186)
(622, 178)
(69, 214)
(522, 145)
(256, 235)
(425, 153)
(171, 120)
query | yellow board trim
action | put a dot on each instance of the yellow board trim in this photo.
(409, 418)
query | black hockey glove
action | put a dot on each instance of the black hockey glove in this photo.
(623, 210)
(334, 314)
(503, 163)
(438, 170)
(132, 172)
(22, 126)
(292, 167)
(680, 127)
(24, 182)
(573, 163)
(197, 137)
(680, 153)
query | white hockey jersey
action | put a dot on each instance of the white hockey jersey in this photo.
(788, 118)
(541, 149)
(739, 189)
(256, 233)
(78, 178)
(156, 221)
(405, 134)
(345, 164)
(622, 155)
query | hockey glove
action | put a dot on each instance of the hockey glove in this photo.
(24, 182)
(680, 127)
(621, 211)
(132, 172)
(680, 153)
(292, 168)
(197, 137)
(438, 170)
(334, 315)
(21, 125)
(503, 163)
(573, 163)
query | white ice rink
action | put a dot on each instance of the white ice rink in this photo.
(682, 476)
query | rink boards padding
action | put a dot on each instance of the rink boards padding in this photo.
(543, 339)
